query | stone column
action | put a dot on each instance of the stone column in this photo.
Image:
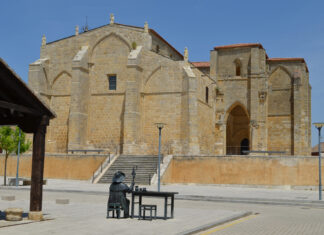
(36, 188)
(193, 144)
(132, 116)
(80, 95)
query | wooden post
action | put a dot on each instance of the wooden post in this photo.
(36, 189)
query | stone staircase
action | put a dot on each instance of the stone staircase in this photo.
(146, 168)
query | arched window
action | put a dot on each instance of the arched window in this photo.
(237, 63)
(207, 91)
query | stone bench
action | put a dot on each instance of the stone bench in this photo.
(12, 181)
(85, 151)
(28, 182)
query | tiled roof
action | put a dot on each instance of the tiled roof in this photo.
(287, 59)
(160, 37)
(131, 26)
(239, 45)
(201, 64)
(302, 60)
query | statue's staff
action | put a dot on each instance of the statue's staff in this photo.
(133, 180)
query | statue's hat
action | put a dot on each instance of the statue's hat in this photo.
(119, 177)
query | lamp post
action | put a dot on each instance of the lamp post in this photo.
(159, 126)
(17, 173)
(319, 126)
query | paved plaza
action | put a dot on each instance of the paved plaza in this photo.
(236, 210)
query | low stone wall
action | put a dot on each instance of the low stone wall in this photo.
(248, 170)
(60, 166)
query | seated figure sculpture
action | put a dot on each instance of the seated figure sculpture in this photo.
(118, 190)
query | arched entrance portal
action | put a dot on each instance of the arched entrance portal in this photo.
(237, 131)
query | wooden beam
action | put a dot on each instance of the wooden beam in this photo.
(36, 189)
(18, 108)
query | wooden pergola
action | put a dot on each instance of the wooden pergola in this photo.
(20, 106)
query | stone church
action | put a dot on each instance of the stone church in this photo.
(109, 86)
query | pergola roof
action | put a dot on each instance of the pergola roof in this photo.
(19, 105)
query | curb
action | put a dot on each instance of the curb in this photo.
(216, 223)
(265, 201)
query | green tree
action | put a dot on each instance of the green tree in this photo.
(9, 139)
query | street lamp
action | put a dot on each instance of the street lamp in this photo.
(319, 126)
(159, 126)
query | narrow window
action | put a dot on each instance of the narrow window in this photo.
(157, 48)
(112, 82)
(238, 69)
(207, 94)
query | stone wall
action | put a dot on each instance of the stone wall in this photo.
(56, 166)
(249, 170)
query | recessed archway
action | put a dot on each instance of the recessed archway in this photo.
(237, 131)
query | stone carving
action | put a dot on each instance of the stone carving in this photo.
(146, 27)
(254, 124)
(262, 96)
(186, 54)
(112, 18)
(43, 40)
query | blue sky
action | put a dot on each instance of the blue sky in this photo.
(291, 28)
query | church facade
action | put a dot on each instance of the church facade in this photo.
(109, 87)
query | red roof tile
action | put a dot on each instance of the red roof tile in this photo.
(160, 37)
(287, 59)
(239, 45)
(315, 148)
(201, 64)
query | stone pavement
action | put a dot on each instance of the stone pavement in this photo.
(86, 214)
(231, 193)
(86, 211)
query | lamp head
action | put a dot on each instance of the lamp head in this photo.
(160, 125)
(318, 125)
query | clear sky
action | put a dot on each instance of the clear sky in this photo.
(286, 28)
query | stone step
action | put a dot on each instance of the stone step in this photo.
(146, 168)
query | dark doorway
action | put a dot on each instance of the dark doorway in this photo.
(245, 146)
(237, 129)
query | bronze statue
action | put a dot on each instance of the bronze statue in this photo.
(118, 190)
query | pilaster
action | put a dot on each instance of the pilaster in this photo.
(193, 144)
(297, 118)
(37, 77)
(257, 101)
(80, 94)
(132, 116)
